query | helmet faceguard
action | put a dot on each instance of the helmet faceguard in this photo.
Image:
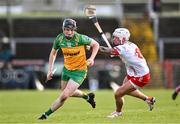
(121, 35)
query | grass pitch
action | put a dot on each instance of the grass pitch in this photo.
(25, 106)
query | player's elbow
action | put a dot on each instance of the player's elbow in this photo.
(95, 44)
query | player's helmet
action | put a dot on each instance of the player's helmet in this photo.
(69, 23)
(122, 34)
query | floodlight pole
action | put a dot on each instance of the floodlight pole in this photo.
(10, 25)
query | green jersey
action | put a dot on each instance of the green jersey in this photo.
(73, 50)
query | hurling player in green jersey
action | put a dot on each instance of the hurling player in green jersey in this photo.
(74, 72)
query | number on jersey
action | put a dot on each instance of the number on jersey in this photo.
(138, 53)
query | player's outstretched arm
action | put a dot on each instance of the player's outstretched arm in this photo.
(52, 58)
(105, 50)
(108, 51)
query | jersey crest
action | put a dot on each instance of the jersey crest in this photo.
(69, 44)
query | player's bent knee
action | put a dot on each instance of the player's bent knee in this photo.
(119, 93)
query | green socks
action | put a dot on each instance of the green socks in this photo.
(49, 112)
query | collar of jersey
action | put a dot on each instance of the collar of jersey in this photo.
(75, 35)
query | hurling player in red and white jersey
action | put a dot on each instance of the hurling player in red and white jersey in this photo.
(138, 74)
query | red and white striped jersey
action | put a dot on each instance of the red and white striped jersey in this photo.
(134, 61)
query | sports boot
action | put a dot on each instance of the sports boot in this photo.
(151, 101)
(43, 117)
(91, 99)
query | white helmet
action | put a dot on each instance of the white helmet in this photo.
(122, 33)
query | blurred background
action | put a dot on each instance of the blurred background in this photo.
(28, 28)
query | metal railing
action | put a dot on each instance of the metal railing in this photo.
(161, 45)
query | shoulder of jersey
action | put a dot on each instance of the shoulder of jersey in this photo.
(77, 37)
(60, 37)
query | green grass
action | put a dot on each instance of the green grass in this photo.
(24, 106)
